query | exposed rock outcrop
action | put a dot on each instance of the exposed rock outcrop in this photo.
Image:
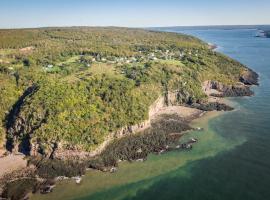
(62, 153)
(217, 89)
(242, 88)
(211, 106)
(235, 91)
(177, 97)
(20, 130)
(249, 77)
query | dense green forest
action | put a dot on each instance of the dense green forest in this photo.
(73, 86)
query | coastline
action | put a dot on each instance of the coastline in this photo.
(156, 165)
(212, 46)
(18, 162)
(186, 114)
(178, 121)
(197, 119)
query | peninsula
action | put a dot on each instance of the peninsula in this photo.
(85, 97)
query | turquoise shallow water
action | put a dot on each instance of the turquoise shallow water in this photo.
(231, 160)
(243, 172)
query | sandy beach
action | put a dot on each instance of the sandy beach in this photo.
(11, 163)
(184, 112)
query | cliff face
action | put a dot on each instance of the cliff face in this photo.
(249, 77)
(170, 99)
(21, 131)
(62, 153)
(217, 89)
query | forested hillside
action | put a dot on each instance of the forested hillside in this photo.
(74, 86)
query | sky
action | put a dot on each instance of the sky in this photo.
(132, 13)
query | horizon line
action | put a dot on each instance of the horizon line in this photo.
(143, 27)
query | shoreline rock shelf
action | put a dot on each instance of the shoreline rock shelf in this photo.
(169, 121)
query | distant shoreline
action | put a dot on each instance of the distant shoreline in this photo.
(263, 33)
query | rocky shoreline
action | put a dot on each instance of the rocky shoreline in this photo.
(161, 133)
(161, 137)
(212, 46)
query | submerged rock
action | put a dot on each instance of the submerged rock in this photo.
(211, 106)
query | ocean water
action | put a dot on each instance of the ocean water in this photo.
(231, 160)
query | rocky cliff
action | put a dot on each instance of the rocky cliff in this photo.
(242, 88)
(62, 153)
